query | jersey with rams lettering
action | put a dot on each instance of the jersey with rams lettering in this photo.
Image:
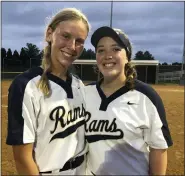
(121, 128)
(55, 124)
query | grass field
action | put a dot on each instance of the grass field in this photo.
(173, 99)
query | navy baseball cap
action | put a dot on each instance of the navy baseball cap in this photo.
(118, 36)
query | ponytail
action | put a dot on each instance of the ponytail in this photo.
(131, 74)
(43, 83)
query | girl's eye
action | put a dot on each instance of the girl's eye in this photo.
(116, 49)
(100, 51)
(65, 36)
(79, 42)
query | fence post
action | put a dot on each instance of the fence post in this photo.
(157, 74)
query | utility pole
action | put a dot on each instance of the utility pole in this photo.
(183, 59)
(111, 13)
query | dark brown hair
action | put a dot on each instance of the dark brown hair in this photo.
(131, 74)
(130, 71)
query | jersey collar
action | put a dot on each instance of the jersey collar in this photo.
(66, 85)
(105, 101)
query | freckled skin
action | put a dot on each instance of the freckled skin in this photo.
(67, 43)
(108, 51)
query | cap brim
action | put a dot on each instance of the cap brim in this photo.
(104, 32)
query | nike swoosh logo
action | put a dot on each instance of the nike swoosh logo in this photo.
(129, 103)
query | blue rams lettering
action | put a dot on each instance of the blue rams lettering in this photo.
(102, 126)
(58, 113)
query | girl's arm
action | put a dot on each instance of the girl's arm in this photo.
(157, 161)
(25, 164)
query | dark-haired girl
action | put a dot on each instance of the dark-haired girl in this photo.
(126, 129)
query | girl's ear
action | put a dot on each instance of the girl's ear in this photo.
(49, 33)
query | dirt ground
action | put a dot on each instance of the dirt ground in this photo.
(173, 99)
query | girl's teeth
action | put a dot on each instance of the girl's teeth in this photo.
(66, 54)
(109, 65)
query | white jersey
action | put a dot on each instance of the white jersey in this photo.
(121, 128)
(55, 125)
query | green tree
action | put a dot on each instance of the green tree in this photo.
(3, 53)
(139, 55)
(41, 54)
(24, 57)
(88, 54)
(16, 62)
(3, 58)
(31, 50)
(164, 63)
(148, 56)
(91, 54)
(16, 55)
(83, 55)
(176, 63)
(143, 56)
(9, 53)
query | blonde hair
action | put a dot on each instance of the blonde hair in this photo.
(63, 15)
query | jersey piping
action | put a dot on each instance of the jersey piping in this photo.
(18, 95)
(144, 89)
